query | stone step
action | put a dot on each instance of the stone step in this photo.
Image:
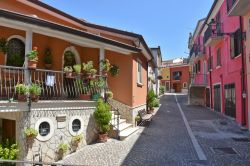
(123, 126)
(127, 132)
(114, 121)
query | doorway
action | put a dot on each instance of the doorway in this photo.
(167, 85)
(217, 98)
(8, 129)
(177, 87)
(230, 106)
(207, 97)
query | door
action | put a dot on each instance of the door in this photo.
(167, 86)
(230, 107)
(207, 97)
(217, 98)
(177, 87)
(9, 129)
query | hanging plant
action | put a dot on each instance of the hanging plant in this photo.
(3, 45)
(114, 71)
(47, 58)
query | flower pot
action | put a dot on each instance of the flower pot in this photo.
(95, 96)
(48, 66)
(85, 96)
(69, 75)
(151, 110)
(32, 64)
(103, 137)
(34, 98)
(21, 98)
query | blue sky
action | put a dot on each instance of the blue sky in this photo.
(162, 22)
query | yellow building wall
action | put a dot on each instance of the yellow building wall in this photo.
(165, 73)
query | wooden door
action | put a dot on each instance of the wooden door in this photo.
(207, 97)
(177, 87)
(217, 98)
(9, 129)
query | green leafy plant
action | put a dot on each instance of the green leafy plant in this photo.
(3, 45)
(151, 97)
(103, 116)
(77, 68)
(156, 103)
(15, 60)
(93, 71)
(68, 69)
(162, 90)
(48, 57)
(8, 150)
(77, 138)
(63, 147)
(21, 89)
(30, 132)
(114, 70)
(35, 89)
(33, 55)
(87, 67)
(105, 65)
(137, 118)
(109, 94)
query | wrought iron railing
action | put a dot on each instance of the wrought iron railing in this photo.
(198, 79)
(212, 33)
(55, 85)
(115, 121)
(200, 49)
(230, 4)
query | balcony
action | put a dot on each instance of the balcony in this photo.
(211, 37)
(197, 79)
(55, 86)
(238, 7)
(200, 51)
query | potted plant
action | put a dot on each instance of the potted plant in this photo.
(47, 59)
(30, 133)
(62, 149)
(76, 139)
(109, 95)
(21, 90)
(77, 68)
(35, 91)
(84, 90)
(105, 66)
(89, 70)
(114, 70)
(68, 71)
(151, 97)
(102, 117)
(137, 120)
(3, 45)
(32, 58)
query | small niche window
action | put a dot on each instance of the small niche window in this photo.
(76, 125)
(44, 129)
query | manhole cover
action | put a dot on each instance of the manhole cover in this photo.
(224, 151)
(241, 139)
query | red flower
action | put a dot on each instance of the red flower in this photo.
(35, 48)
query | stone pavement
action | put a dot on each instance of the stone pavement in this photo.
(166, 141)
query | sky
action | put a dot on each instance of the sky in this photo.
(164, 23)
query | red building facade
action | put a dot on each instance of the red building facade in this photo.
(219, 62)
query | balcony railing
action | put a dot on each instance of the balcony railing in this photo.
(211, 37)
(200, 50)
(230, 4)
(191, 51)
(197, 79)
(54, 84)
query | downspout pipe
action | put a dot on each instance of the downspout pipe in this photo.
(210, 77)
(243, 89)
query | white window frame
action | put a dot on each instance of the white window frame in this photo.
(139, 74)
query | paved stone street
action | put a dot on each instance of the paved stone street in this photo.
(167, 142)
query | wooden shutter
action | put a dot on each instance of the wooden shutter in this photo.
(232, 47)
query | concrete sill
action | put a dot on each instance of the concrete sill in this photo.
(139, 84)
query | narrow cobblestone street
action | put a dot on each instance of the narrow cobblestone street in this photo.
(167, 142)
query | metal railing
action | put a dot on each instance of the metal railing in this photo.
(198, 79)
(55, 85)
(115, 121)
(212, 33)
(199, 50)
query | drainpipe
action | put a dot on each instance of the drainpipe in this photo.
(210, 77)
(243, 89)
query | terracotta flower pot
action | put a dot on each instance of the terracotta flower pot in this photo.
(21, 98)
(85, 96)
(34, 98)
(103, 137)
(32, 64)
(48, 66)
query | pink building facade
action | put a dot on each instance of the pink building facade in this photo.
(220, 64)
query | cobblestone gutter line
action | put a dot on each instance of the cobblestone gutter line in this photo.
(196, 145)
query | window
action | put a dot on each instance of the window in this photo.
(218, 57)
(139, 72)
(44, 129)
(210, 63)
(199, 66)
(236, 44)
(177, 75)
(76, 125)
(15, 53)
(184, 85)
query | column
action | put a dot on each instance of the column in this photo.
(101, 57)
(28, 48)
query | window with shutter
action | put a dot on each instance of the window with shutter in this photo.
(235, 43)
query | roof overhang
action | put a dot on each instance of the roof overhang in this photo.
(40, 26)
(240, 8)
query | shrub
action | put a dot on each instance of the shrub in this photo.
(47, 58)
(30, 132)
(77, 68)
(156, 103)
(35, 89)
(162, 90)
(21, 89)
(151, 97)
(102, 116)
(8, 150)
(63, 147)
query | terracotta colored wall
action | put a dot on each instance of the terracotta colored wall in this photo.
(121, 86)
(165, 74)
(139, 92)
(185, 75)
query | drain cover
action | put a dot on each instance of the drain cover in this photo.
(224, 151)
(241, 139)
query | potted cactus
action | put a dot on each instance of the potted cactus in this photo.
(32, 58)
(105, 66)
(102, 117)
(35, 91)
(21, 90)
(68, 71)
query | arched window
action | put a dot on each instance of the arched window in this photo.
(15, 52)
